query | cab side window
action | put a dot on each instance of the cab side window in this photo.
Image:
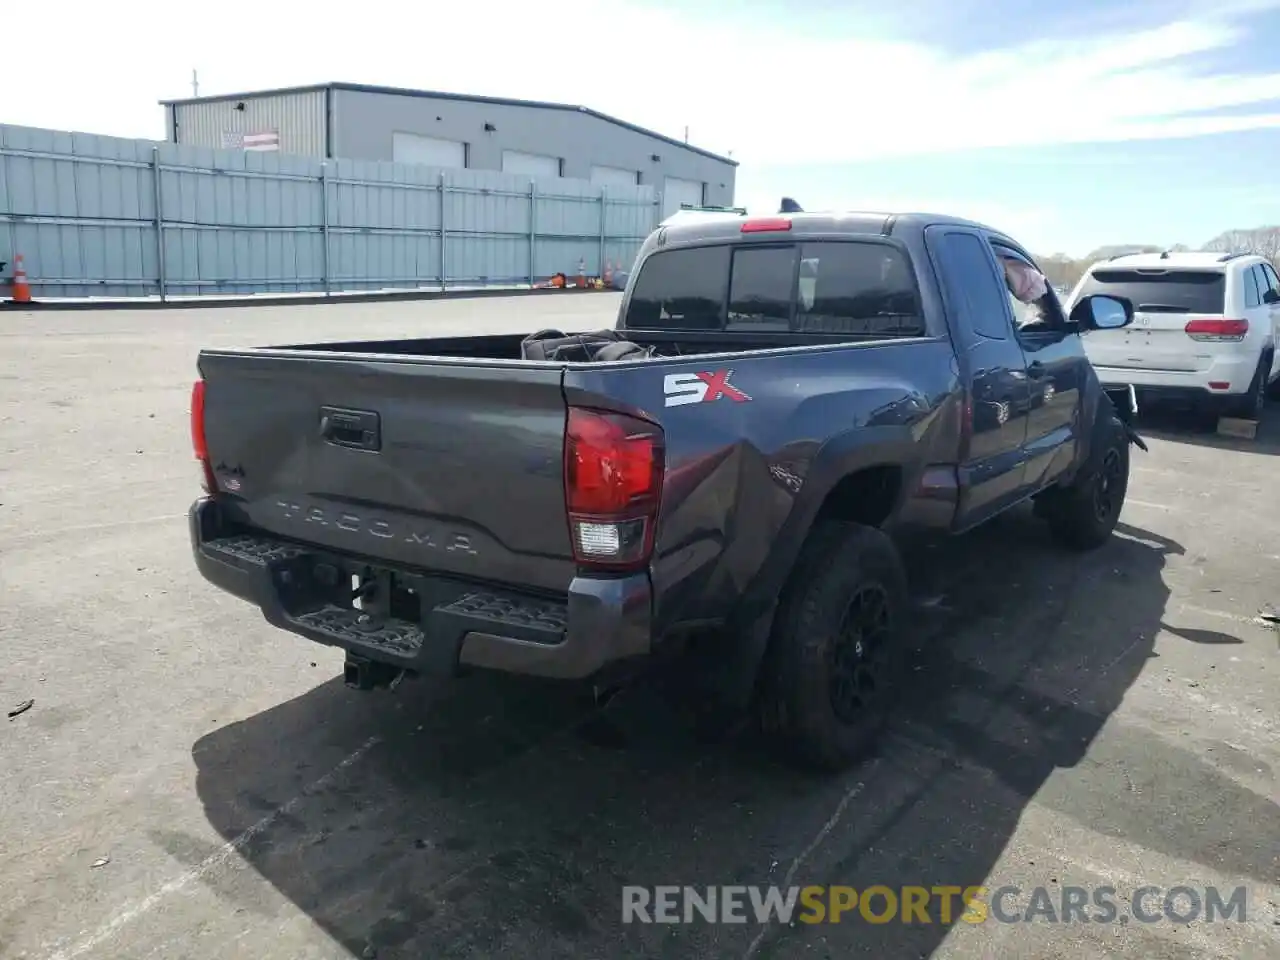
(972, 283)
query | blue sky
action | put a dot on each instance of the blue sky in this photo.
(1150, 121)
(1073, 196)
(1065, 198)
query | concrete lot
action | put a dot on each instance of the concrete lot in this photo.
(1102, 720)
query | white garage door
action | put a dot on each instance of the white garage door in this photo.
(411, 148)
(676, 192)
(614, 177)
(530, 164)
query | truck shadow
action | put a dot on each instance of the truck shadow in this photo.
(498, 817)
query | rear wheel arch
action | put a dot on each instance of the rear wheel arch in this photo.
(867, 488)
(868, 496)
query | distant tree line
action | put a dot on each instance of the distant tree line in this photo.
(1064, 271)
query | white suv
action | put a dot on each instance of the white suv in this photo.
(1205, 328)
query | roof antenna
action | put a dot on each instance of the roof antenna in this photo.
(789, 206)
(1164, 255)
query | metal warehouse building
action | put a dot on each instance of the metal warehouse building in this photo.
(449, 130)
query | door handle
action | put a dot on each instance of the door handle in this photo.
(359, 429)
(1037, 370)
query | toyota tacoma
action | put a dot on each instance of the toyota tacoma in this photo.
(725, 468)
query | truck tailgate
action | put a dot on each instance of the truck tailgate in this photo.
(440, 465)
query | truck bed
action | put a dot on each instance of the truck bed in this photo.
(506, 347)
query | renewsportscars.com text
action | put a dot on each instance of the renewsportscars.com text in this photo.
(937, 904)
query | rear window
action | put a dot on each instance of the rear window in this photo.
(858, 288)
(1170, 291)
(760, 285)
(827, 287)
(680, 290)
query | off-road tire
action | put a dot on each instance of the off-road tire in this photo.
(819, 661)
(1084, 515)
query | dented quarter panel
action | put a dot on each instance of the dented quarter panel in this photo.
(745, 476)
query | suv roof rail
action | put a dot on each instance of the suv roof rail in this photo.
(700, 208)
(692, 212)
(1231, 256)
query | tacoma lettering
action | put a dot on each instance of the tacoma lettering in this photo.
(450, 542)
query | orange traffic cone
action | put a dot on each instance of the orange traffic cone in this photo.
(21, 289)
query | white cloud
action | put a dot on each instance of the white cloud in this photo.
(751, 88)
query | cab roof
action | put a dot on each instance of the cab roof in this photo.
(729, 226)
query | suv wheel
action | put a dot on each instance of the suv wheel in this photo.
(1249, 406)
(837, 652)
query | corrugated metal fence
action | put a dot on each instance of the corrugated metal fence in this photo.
(109, 217)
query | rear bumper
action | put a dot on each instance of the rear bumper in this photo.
(442, 624)
(1236, 372)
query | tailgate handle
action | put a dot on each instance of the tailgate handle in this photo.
(358, 429)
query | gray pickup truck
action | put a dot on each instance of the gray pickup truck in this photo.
(725, 469)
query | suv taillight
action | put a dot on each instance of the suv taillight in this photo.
(199, 445)
(613, 471)
(1217, 328)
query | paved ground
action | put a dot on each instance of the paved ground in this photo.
(1107, 720)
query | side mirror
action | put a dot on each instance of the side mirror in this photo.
(1102, 313)
(1271, 296)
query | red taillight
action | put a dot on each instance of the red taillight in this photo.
(613, 470)
(766, 225)
(199, 444)
(1217, 328)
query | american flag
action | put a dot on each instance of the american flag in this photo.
(264, 140)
